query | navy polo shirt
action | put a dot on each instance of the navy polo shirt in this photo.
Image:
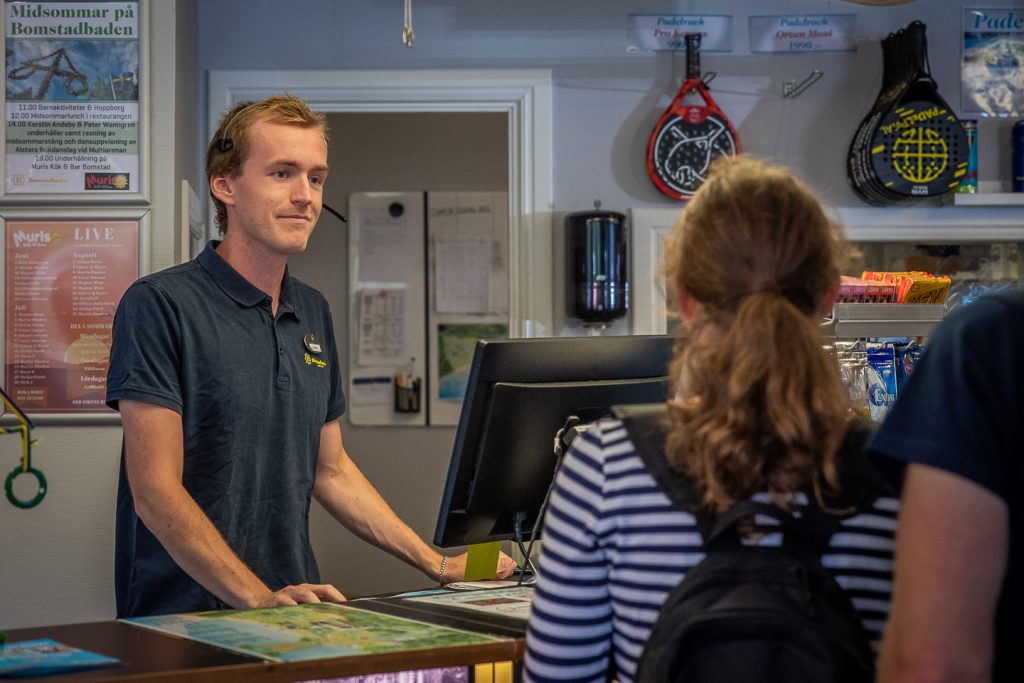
(253, 391)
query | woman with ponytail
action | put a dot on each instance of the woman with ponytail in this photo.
(759, 412)
(753, 263)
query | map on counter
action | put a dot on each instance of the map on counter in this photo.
(505, 602)
(301, 632)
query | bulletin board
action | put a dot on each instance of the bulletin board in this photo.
(387, 345)
(428, 277)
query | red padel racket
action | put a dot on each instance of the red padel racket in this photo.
(688, 137)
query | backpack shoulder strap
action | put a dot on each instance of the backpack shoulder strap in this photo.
(646, 425)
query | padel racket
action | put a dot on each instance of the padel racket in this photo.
(689, 137)
(896, 75)
(919, 149)
(911, 145)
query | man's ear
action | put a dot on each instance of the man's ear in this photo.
(222, 189)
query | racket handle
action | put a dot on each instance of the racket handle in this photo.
(692, 56)
(918, 46)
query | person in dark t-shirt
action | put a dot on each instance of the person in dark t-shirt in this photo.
(225, 371)
(957, 611)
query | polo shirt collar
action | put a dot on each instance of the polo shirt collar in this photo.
(236, 286)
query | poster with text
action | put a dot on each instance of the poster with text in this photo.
(63, 281)
(992, 73)
(71, 79)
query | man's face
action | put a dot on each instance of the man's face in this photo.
(275, 199)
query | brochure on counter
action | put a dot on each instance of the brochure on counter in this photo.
(47, 657)
(513, 601)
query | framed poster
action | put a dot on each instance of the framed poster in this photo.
(992, 72)
(63, 279)
(453, 343)
(74, 97)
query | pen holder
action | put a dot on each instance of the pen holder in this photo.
(407, 396)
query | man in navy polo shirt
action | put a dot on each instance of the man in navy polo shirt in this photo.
(225, 372)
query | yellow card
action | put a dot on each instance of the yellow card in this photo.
(482, 561)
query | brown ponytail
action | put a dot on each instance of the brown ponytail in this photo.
(761, 406)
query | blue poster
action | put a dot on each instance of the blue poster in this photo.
(992, 71)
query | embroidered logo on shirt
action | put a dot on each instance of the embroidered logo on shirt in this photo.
(314, 361)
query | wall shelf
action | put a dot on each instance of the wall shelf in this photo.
(989, 199)
(867, 224)
(950, 224)
(855, 321)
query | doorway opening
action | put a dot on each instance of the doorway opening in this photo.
(524, 96)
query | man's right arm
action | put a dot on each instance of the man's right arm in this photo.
(951, 551)
(154, 460)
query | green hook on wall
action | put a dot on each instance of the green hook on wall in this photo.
(23, 429)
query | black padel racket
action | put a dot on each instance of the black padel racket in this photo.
(896, 76)
(911, 145)
(688, 137)
(919, 148)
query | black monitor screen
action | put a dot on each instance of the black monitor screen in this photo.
(520, 393)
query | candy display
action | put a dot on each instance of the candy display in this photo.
(873, 371)
(856, 290)
(913, 287)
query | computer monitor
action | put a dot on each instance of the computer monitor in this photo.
(519, 395)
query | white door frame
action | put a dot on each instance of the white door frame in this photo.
(524, 95)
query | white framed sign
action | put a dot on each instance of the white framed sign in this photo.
(667, 32)
(64, 272)
(74, 98)
(803, 33)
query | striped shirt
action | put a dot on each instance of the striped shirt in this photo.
(614, 546)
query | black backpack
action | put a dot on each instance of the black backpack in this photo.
(748, 612)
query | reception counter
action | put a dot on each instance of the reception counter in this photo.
(149, 655)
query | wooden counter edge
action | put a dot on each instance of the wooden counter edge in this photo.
(348, 665)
